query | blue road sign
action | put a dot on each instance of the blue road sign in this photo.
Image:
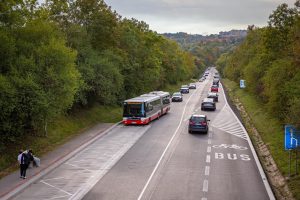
(242, 84)
(291, 138)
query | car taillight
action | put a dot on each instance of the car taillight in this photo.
(204, 123)
(192, 123)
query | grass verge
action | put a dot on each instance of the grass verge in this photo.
(63, 129)
(271, 131)
(60, 131)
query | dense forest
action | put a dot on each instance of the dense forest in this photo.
(269, 61)
(65, 54)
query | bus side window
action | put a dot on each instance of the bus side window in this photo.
(149, 107)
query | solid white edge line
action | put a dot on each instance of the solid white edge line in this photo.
(54, 165)
(93, 180)
(166, 149)
(259, 166)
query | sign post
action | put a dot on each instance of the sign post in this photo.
(291, 142)
(242, 84)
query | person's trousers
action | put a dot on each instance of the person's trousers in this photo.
(23, 168)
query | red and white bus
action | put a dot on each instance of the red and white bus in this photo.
(146, 108)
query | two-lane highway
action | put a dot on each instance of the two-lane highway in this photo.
(163, 161)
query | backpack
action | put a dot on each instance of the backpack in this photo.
(25, 159)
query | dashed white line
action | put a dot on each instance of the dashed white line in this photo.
(208, 158)
(208, 149)
(205, 186)
(209, 141)
(203, 198)
(207, 170)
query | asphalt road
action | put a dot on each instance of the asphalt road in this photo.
(163, 161)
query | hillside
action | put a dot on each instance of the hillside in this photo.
(208, 48)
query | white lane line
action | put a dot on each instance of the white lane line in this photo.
(79, 167)
(166, 149)
(55, 187)
(208, 158)
(210, 135)
(207, 170)
(53, 178)
(260, 169)
(208, 149)
(59, 197)
(205, 186)
(209, 141)
(203, 198)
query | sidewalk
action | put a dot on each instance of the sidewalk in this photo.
(12, 184)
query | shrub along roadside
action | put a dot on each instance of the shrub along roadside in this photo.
(60, 131)
(270, 129)
(64, 129)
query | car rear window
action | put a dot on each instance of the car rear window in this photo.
(207, 104)
(198, 119)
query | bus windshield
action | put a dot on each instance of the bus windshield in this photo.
(133, 110)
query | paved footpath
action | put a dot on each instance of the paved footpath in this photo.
(12, 184)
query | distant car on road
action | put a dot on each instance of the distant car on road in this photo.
(208, 104)
(214, 88)
(184, 89)
(214, 96)
(216, 81)
(198, 123)
(192, 86)
(177, 96)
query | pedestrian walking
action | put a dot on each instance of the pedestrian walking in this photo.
(23, 160)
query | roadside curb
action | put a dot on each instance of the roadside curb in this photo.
(54, 164)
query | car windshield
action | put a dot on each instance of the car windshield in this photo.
(177, 94)
(133, 110)
(198, 119)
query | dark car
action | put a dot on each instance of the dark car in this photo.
(216, 81)
(198, 123)
(214, 96)
(214, 88)
(177, 96)
(184, 89)
(208, 104)
(192, 86)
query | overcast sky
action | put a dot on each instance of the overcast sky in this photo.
(197, 16)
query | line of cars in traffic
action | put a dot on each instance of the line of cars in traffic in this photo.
(184, 89)
(199, 123)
